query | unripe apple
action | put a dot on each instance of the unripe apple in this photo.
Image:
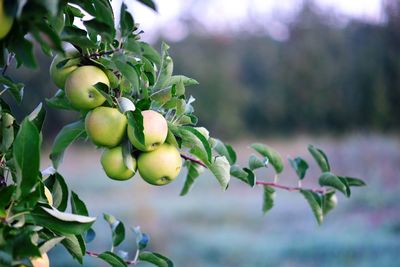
(42, 261)
(106, 126)
(48, 195)
(160, 166)
(80, 90)
(113, 164)
(155, 129)
(6, 21)
(59, 75)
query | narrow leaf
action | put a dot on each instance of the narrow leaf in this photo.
(268, 198)
(300, 166)
(320, 157)
(314, 200)
(112, 259)
(271, 154)
(329, 179)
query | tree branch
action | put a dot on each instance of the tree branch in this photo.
(272, 184)
(291, 189)
(187, 157)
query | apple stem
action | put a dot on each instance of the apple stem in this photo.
(272, 184)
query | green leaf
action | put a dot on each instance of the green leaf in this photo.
(5, 198)
(59, 189)
(150, 53)
(26, 152)
(59, 101)
(221, 170)
(117, 229)
(77, 37)
(37, 116)
(192, 136)
(256, 163)
(77, 205)
(315, 202)
(23, 50)
(300, 166)
(271, 154)
(49, 244)
(135, 120)
(7, 131)
(166, 69)
(118, 234)
(126, 22)
(329, 179)
(175, 79)
(225, 150)
(156, 259)
(128, 71)
(64, 138)
(16, 89)
(329, 201)
(75, 245)
(320, 157)
(149, 3)
(24, 247)
(112, 259)
(194, 170)
(268, 198)
(353, 181)
(246, 175)
(60, 222)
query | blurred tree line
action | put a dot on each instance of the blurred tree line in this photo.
(323, 78)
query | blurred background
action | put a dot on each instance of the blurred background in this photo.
(286, 73)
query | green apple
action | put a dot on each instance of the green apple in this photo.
(155, 131)
(113, 164)
(80, 90)
(6, 21)
(160, 166)
(42, 261)
(106, 126)
(59, 75)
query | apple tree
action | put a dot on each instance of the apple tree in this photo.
(129, 103)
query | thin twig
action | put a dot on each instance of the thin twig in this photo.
(186, 157)
(99, 54)
(272, 184)
(289, 188)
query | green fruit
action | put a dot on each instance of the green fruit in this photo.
(160, 166)
(106, 126)
(113, 164)
(6, 21)
(59, 75)
(80, 90)
(42, 261)
(155, 131)
(330, 202)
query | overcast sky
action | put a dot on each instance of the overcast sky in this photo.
(223, 15)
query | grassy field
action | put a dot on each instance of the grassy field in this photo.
(210, 228)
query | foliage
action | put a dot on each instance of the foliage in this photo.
(141, 79)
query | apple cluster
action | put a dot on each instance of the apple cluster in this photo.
(158, 162)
